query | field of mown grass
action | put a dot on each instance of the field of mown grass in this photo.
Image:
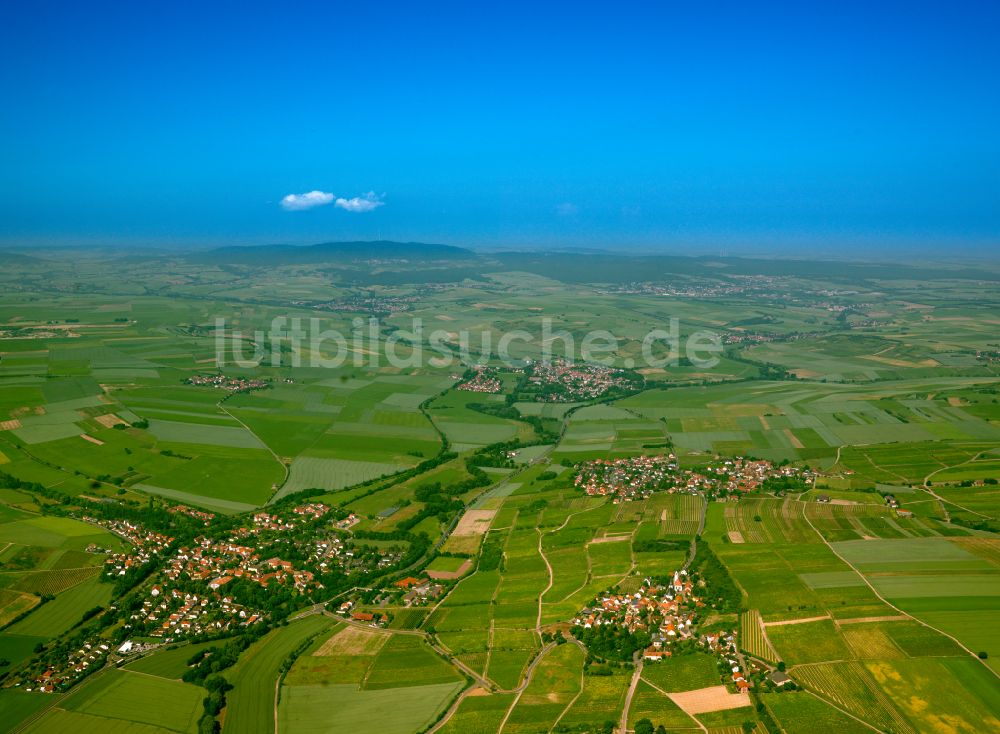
(171, 664)
(801, 711)
(342, 678)
(808, 642)
(66, 610)
(339, 708)
(24, 529)
(683, 673)
(852, 687)
(13, 604)
(939, 581)
(316, 472)
(250, 705)
(927, 690)
(602, 699)
(120, 701)
(554, 684)
(649, 703)
(479, 714)
(406, 660)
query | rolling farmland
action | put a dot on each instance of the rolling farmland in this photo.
(453, 517)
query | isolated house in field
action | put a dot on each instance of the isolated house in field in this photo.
(904, 513)
(823, 498)
(890, 500)
(779, 678)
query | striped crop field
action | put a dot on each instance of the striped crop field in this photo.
(681, 515)
(852, 687)
(752, 638)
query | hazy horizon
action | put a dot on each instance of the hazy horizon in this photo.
(915, 253)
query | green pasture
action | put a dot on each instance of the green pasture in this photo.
(343, 707)
(479, 714)
(250, 705)
(132, 697)
(65, 611)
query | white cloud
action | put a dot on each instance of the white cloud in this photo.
(567, 209)
(364, 203)
(298, 202)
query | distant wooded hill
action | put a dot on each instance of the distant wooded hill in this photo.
(433, 263)
(332, 252)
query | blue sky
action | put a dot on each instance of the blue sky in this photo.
(678, 126)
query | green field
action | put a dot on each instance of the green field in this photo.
(337, 708)
(123, 701)
(251, 704)
(799, 711)
(170, 664)
(63, 612)
(341, 679)
(479, 713)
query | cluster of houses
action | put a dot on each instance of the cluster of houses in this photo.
(386, 557)
(668, 613)
(745, 475)
(311, 510)
(264, 522)
(839, 307)
(485, 380)
(638, 477)
(219, 562)
(348, 522)
(416, 592)
(172, 614)
(167, 615)
(627, 478)
(762, 287)
(869, 323)
(723, 644)
(213, 561)
(363, 304)
(419, 591)
(205, 517)
(748, 337)
(335, 551)
(91, 656)
(147, 544)
(680, 291)
(893, 504)
(332, 551)
(234, 384)
(562, 381)
(374, 619)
